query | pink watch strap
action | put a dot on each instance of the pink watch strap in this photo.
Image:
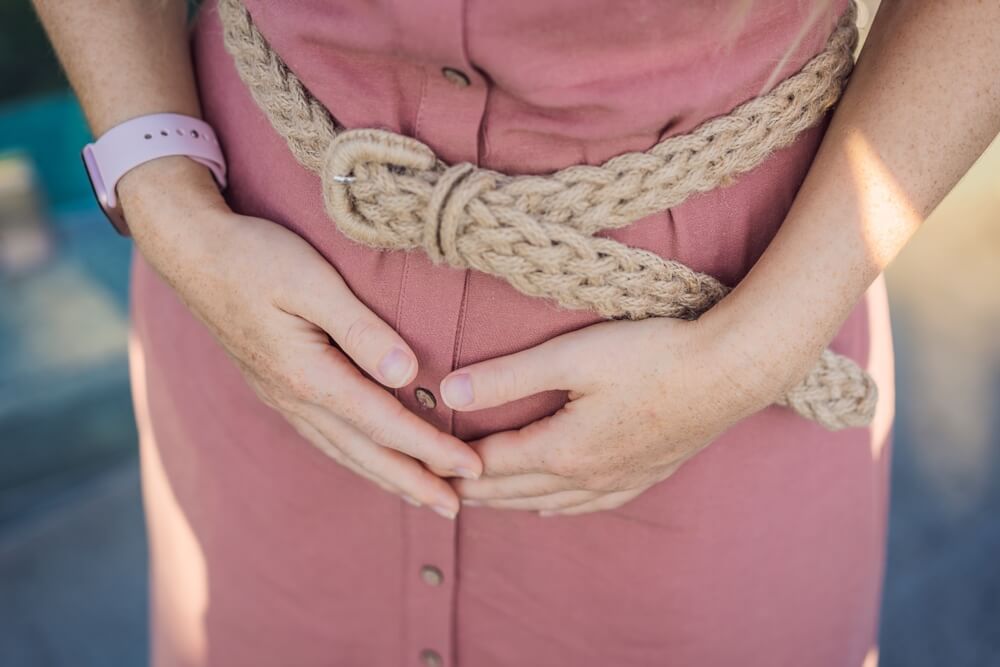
(146, 138)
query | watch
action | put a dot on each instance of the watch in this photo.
(140, 140)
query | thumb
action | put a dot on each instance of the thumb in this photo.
(362, 335)
(505, 379)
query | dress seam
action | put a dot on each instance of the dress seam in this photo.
(459, 336)
(404, 545)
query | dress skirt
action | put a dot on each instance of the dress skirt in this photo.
(765, 549)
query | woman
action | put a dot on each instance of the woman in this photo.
(602, 530)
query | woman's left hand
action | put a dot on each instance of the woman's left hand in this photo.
(644, 397)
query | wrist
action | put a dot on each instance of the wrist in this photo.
(174, 182)
(175, 212)
(167, 190)
(754, 354)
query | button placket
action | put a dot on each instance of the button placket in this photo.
(430, 308)
(428, 319)
(429, 599)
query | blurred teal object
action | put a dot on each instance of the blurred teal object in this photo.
(51, 130)
(64, 401)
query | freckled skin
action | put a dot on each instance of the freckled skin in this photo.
(269, 298)
(923, 103)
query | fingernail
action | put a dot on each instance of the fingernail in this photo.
(413, 501)
(446, 512)
(466, 473)
(469, 502)
(457, 390)
(395, 366)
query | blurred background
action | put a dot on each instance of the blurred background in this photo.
(72, 546)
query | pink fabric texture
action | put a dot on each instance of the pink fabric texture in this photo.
(766, 549)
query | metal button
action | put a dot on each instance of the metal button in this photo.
(426, 398)
(456, 76)
(431, 575)
(431, 658)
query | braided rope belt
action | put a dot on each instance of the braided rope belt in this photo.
(389, 191)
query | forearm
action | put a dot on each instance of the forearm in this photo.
(128, 58)
(124, 58)
(922, 105)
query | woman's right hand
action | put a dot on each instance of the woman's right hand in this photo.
(275, 304)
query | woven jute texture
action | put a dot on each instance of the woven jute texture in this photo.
(389, 191)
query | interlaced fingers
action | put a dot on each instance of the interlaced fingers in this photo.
(389, 191)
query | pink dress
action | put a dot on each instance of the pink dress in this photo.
(766, 549)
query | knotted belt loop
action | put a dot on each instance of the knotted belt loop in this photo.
(447, 211)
